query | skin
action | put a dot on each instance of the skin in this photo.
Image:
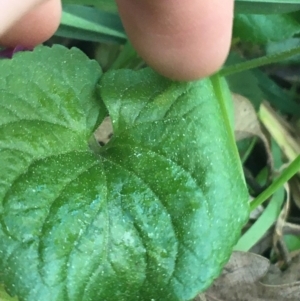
(183, 40)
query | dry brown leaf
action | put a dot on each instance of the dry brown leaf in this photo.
(239, 278)
(290, 275)
(241, 281)
(279, 245)
(282, 132)
(246, 122)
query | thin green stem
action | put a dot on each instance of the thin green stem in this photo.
(287, 174)
(265, 60)
(225, 101)
(249, 150)
(127, 55)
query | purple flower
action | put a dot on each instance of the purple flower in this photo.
(9, 52)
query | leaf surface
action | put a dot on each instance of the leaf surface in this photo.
(266, 6)
(4, 296)
(264, 28)
(105, 5)
(152, 215)
(244, 83)
(90, 24)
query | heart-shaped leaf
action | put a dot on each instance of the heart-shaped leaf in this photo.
(153, 215)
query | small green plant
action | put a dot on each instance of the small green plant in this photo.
(152, 215)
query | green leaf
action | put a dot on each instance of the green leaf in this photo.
(105, 5)
(292, 242)
(90, 24)
(284, 45)
(152, 215)
(49, 109)
(244, 83)
(266, 6)
(276, 95)
(4, 296)
(264, 28)
(263, 223)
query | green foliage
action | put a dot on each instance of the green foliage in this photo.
(273, 48)
(256, 86)
(244, 83)
(276, 95)
(155, 213)
(90, 24)
(266, 7)
(264, 28)
(105, 5)
(263, 223)
(99, 21)
(4, 296)
(292, 242)
(142, 218)
(241, 6)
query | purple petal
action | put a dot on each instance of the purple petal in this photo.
(9, 52)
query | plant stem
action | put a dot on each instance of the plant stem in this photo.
(265, 60)
(127, 55)
(249, 150)
(276, 127)
(226, 105)
(286, 175)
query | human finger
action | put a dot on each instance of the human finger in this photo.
(28, 23)
(183, 40)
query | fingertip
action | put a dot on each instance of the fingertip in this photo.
(35, 27)
(183, 41)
